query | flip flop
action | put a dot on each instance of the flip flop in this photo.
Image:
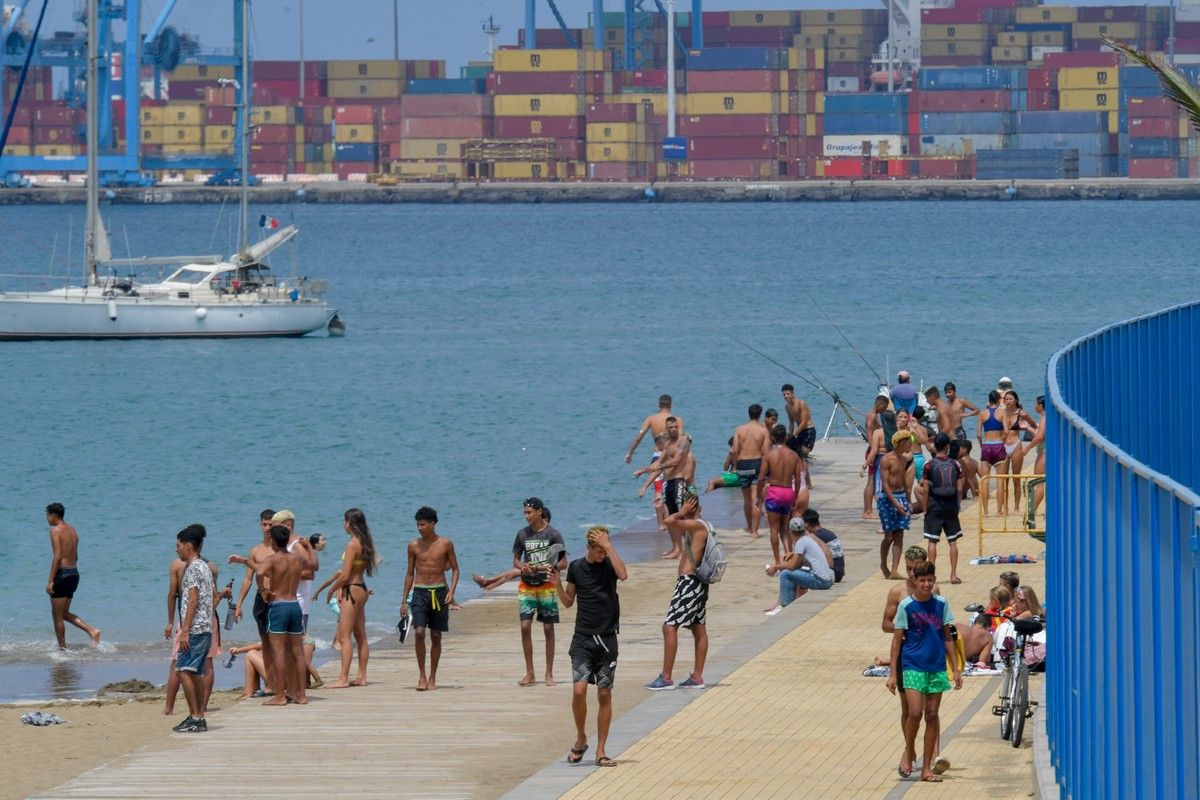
(576, 755)
(956, 580)
(605, 761)
(940, 765)
(932, 779)
(900, 771)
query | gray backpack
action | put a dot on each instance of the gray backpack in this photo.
(711, 568)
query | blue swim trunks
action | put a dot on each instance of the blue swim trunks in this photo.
(284, 617)
(194, 658)
(889, 518)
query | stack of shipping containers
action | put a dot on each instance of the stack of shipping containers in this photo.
(433, 122)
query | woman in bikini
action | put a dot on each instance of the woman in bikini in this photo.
(1016, 420)
(357, 560)
(991, 423)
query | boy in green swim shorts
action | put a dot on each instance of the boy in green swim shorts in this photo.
(924, 645)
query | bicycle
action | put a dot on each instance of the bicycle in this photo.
(1015, 706)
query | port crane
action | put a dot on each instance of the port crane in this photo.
(164, 49)
(639, 25)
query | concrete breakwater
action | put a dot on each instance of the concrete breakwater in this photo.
(762, 191)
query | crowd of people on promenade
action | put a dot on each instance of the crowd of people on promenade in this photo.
(919, 459)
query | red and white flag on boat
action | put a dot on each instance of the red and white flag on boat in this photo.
(269, 223)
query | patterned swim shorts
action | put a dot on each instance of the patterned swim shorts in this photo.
(537, 601)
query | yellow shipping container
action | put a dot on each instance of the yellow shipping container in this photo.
(731, 103)
(615, 132)
(953, 47)
(182, 114)
(617, 151)
(1117, 30)
(218, 149)
(810, 124)
(428, 169)
(180, 149)
(548, 61)
(353, 133)
(154, 115)
(384, 69)
(754, 19)
(370, 88)
(1036, 14)
(1114, 122)
(435, 149)
(272, 115)
(221, 135)
(200, 72)
(1048, 39)
(1010, 55)
(61, 150)
(977, 32)
(1012, 39)
(850, 16)
(1185, 129)
(1088, 99)
(18, 150)
(798, 58)
(537, 105)
(819, 97)
(1088, 78)
(834, 32)
(517, 170)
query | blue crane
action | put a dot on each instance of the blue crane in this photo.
(164, 50)
(639, 38)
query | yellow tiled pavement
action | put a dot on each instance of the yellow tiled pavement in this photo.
(800, 721)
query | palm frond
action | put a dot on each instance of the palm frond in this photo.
(1175, 86)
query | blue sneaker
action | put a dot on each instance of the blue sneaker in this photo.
(660, 683)
(691, 684)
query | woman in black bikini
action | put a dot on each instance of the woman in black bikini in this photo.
(358, 558)
(1016, 419)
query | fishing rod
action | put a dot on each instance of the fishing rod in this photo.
(841, 404)
(857, 352)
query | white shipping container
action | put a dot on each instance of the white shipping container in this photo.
(1187, 12)
(959, 144)
(842, 84)
(1039, 51)
(852, 145)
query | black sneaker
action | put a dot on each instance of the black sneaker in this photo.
(197, 726)
(187, 723)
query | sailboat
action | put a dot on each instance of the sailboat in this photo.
(203, 297)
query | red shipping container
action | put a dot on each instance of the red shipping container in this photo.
(269, 167)
(445, 127)
(442, 105)
(1189, 45)
(742, 80)
(648, 78)
(914, 118)
(317, 133)
(731, 147)
(1041, 100)
(732, 169)
(951, 16)
(219, 115)
(345, 169)
(1153, 127)
(844, 167)
(23, 115)
(389, 134)
(955, 101)
(539, 127)
(64, 134)
(22, 134)
(612, 112)
(269, 152)
(1153, 168)
(1143, 107)
(264, 97)
(987, 4)
(725, 125)
(1040, 79)
(809, 57)
(354, 115)
(1078, 59)
(288, 70)
(615, 171)
(847, 69)
(949, 61)
(1186, 30)
(287, 89)
(943, 168)
(1111, 14)
(273, 134)
(57, 115)
(187, 90)
(549, 38)
(533, 82)
(714, 19)
(570, 149)
(790, 125)
(389, 113)
(812, 80)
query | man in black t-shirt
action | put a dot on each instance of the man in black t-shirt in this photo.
(942, 480)
(592, 580)
(532, 554)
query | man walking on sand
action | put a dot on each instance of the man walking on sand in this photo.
(750, 443)
(689, 603)
(196, 636)
(64, 576)
(429, 556)
(801, 432)
(536, 595)
(923, 640)
(592, 580)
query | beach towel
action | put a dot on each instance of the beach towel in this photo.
(40, 719)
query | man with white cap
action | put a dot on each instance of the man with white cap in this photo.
(904, 394)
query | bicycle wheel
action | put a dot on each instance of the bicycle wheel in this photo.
(1006, 696)
(1020, 705)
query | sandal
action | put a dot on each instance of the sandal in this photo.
(940, 765)
(576, 755)
(605, 761)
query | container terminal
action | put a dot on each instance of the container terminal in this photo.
(988, 90)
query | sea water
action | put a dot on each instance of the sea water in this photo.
(499, 352)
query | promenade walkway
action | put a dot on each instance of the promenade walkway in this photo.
(787, 710)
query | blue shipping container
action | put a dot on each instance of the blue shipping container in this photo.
(1026, 156)
(354, 151)
(1096, 166)
(837, 124)
(444, 86)
(867, 103)
(1137, 77)
(723, 58)
(994, 122)
(933, 144)
(1061, 122)
(1154, 148)
(972, 78)
(1088, 144)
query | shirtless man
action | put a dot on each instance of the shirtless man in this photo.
(64, 576)
(673, 465)
(951, 409)
(875, 450)
(781, 480)
(970, 468)
(750, 443)
(656, 424)
(282, 571)
(891, 501)
(977, 642)
(801, 432)
(689, 603)
(259, 552)
(429, 556)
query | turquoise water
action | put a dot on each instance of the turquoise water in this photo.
(497, 352)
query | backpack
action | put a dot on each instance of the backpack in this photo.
(711, 568)
(944, 478)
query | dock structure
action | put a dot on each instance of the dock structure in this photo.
(787, 712)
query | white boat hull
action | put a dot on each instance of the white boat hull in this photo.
(30, 317)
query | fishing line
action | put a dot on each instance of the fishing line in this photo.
(846, 340)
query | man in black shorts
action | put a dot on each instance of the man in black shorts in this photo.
(942, 480)
(592, 580)
(430, 555)
(689, 603)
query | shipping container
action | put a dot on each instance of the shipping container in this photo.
(538, 127)
(1117, 30)
(373, 88)
(964, 122)
(455, 105)
(1154, 148)
(1088, 144)
(449, 170)
(1153, 127)
(734, 81)
(737, 58)
(977, 33)
(547, 105)
(1080, 59)
(358, 151)
(615, 112)
(1153, 168)
(1058, 14)
(843, 83)
(436, 149)
(615, 132)
(1153, 107)
(1088, 99)
(1059, 122)
(866, 144)
(880, 122)
(445, 127)
(999, 100)
(971, 78)
(732, 169)
(955, 47)
(726, 125)
(354, 115)
(730, 103)
(443, 86)
(732, 147)
(963, 144)
(1088, 78)
(548, 61)
(870, 102)
(353, 133)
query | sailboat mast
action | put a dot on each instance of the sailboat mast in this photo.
(244, 245)
(93, 139)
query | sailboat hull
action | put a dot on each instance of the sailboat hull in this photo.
(32, 318)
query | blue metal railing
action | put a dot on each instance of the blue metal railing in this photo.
(1123, 585)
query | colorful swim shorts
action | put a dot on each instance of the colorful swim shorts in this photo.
(926, 682)
(539, 602)
(889, 518)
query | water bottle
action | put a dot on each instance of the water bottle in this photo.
(229, 620)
